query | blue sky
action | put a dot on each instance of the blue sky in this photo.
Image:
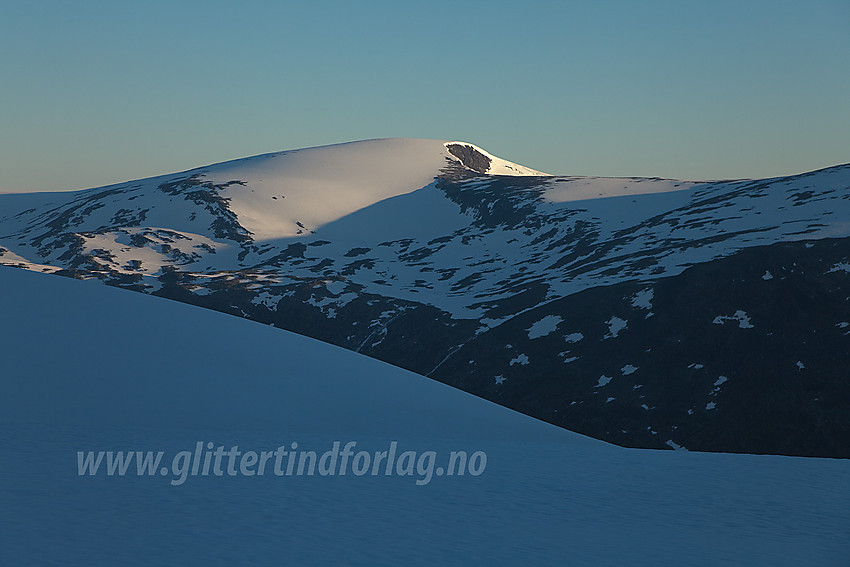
(100, 92)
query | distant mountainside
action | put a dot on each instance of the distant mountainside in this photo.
(646, 312)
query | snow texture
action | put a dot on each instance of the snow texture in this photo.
(544, 326)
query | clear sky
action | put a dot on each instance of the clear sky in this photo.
(100, 92)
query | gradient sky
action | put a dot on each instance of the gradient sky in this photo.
(101, 92)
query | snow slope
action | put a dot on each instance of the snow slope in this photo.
(260, 199)
(289, 193)
(87, 367)
(318, 185)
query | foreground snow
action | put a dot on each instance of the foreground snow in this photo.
(87, 367)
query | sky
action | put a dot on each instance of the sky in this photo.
(95, 93)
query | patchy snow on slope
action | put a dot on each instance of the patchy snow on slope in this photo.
(628, 369)
(643, 299)
(615, 325)
(840, 267)
(740, 316)
(269, 300)
(603, 381)
(521, 359)
(9, 258)
(545, 326)
(359, 196)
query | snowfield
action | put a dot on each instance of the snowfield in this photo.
(88, 367)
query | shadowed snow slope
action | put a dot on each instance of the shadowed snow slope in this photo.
(80, 354)
(90, 368)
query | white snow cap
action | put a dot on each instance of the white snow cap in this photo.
(289, 193)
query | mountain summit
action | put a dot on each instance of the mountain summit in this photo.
(647, 312)
(290, 193)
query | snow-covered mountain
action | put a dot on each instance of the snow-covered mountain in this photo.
(88, 368)
(646, 312)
